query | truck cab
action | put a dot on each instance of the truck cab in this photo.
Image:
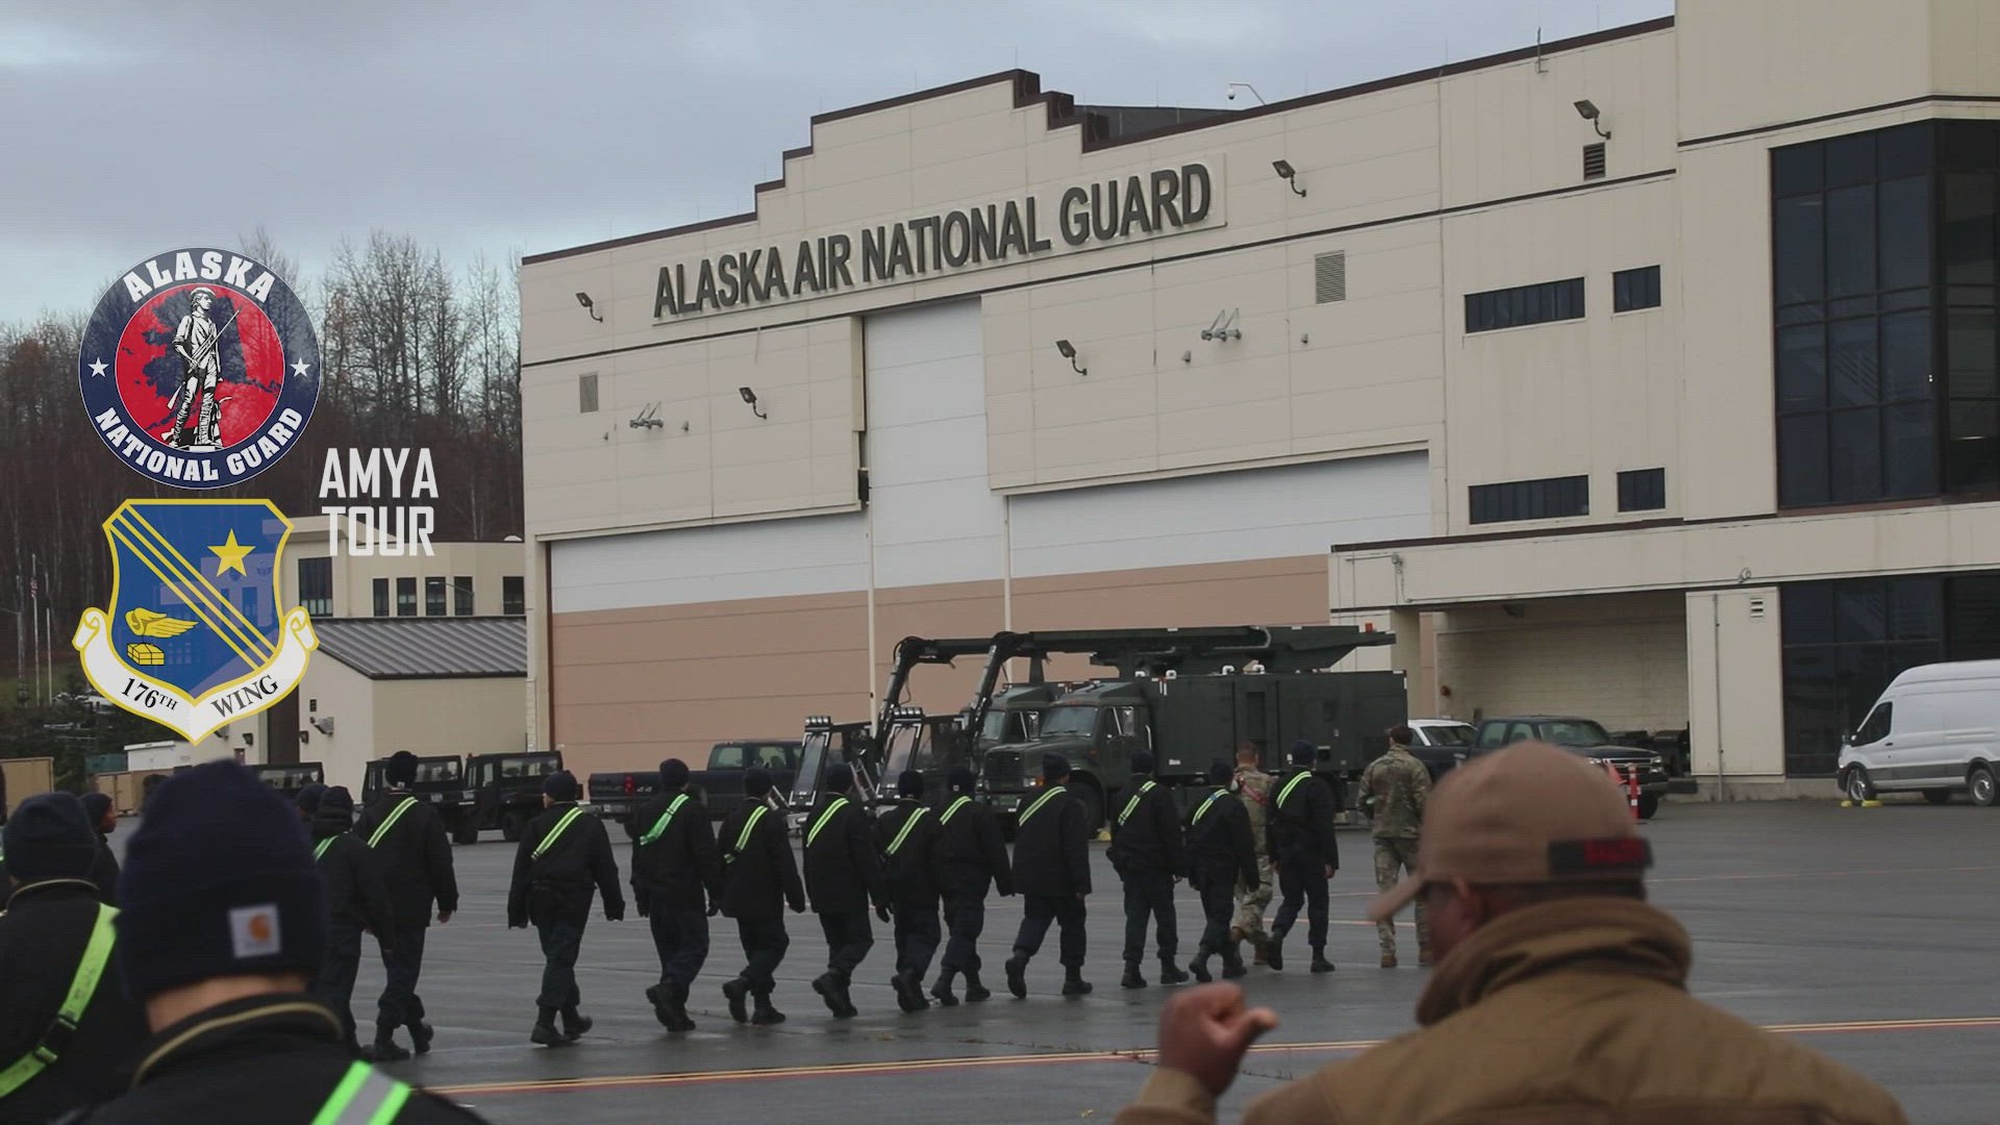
(507, 792)
(824, 743)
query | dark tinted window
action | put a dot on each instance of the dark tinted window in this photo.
(1635, 289)
(1524, 305)
(406, 597)
(461, 592)
(513, 595)
(1642, 490)
(434, 597)
(1876, 727)
(1844, 641)
(316, 586)
(381, 597)
(1550, 498)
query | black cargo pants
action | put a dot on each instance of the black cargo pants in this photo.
(917, 936)
(965, 914)
(1303, 885)
(1149, 895)
(764, 943)
(849, 937)
(1038, 912)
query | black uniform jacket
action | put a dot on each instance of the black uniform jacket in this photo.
(1220, 845)
(675, 871)
(42, 937)
(759, 875)
(357, 893)
(272, 1059)
(912, 874)
(416, 858)
(1052, 848)
(104, 872)
(1299, 827)
(1147, 839)
(558, 885)
(843, 872)
(971, 853)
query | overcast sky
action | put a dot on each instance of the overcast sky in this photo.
(129, 127)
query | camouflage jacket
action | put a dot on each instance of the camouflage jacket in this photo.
(1254, 786)
(1395, 787)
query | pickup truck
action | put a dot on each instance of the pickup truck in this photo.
(615, 794)
(1585, 738)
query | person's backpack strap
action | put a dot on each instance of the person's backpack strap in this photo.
(388, 822)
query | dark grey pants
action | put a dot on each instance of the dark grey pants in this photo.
(333, 986)
(764, 944)
(965, 914)
(1149, 895)
(680, 937)
(849, 937)
(1038, 912)
(402, 963)
(1302, 884)
(917, 937)
(562, 941)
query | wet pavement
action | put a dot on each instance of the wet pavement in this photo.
(1867, 933)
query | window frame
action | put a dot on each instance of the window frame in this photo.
(436, 598)
(406, 597)
(1635, 290)
(463, 596)
(380, 590)
(514, 595)
(1524, 306)
(316, 590)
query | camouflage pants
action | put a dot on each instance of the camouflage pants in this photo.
(1250, 904)
(1394, 855)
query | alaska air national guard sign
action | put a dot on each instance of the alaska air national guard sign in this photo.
(195, 635)
(199, 368)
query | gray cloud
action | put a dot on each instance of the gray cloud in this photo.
(133, 127)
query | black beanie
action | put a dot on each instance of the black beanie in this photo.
(673, 773)
(95, 805)
(839, 778)
(1303, 753)
(218, 882)
(1054, 767)
(1219, 772)
(1142, 762)
(910, 784)
(336, 799)
(960, 780)
(49, 837)
(402, 768)
(756, 782)
(560, 786)
(310, 797)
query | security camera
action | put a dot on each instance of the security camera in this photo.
(1231, 95)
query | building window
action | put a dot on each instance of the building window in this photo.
(1525, 304)
(406, 597)
(1642, 490)
(1548, 499)
(513, 595)
(381, 597)
(316, 586)
(433, 597)
(1883, 250)
(586, 393)
(1635, 289)
(461, 596)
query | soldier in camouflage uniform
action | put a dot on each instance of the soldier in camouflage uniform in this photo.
(1394, 788)
(1253, 785)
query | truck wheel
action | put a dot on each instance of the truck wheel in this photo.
(467, 832)
(1093, 808)
(1938, 796)
(1857, 786)
(511, 825)
(1980, 780)
(1649, 803)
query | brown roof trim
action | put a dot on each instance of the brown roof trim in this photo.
(1062, 113)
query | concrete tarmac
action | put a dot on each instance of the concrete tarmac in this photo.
(1867, 933)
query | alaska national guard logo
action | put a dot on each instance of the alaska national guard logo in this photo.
(199, 368)
(195, 634)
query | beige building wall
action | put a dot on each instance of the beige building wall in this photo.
(333, 691)
(487, 564)
(1619, 659)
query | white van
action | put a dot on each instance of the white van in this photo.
(1936, 730)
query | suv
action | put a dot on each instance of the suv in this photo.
(1585, 738)
(506, 792)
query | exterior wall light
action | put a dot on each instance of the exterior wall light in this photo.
(583, 299)
(1288, 174)
(750, 399)
(1068, 351)
(1588, 110)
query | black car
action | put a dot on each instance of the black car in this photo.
(1586, 738)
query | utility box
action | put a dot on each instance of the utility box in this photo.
(26, 777)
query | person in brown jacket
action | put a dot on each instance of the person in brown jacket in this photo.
(1559, 994)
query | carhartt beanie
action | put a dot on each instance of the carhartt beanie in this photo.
(218, 882)
(402, 768)
(673, 773)
(910, 783)
(49, 837)
(839, 778)
(560, 786)
(960, 780)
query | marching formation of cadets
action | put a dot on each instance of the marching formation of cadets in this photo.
(235, 938)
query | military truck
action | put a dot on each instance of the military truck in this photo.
(824, 743)
(440, 781)
(1192, 699)
(288, 779)
(506, 792)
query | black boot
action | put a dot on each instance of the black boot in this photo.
(847, 1009)
(941, 991)
(766, 1015)
(735, 992)
(1274, 952)
(575, 1024)
(1171, 973)
(1199, 966)
(1132, 978)
(1073, 982)
(421, 1036)
(1232, 962)
(656, 995)
(670, 1007)
(680, 995)
(545, 1031)
(385, 1048)
(1017, 975)
(975, 991)
(909, 992)
(1320, 963)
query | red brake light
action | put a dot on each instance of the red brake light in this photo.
(631, 785)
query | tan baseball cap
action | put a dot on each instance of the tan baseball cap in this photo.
(1528, 814)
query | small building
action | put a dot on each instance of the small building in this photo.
(426, 685)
